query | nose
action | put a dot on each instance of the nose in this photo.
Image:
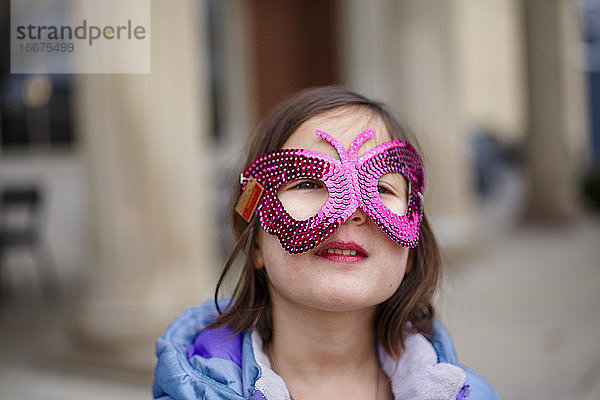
(358, 217)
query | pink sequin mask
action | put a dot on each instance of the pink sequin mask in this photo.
(351, 182)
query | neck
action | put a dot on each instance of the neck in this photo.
(308, 342)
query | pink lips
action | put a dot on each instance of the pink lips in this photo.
(330, 250)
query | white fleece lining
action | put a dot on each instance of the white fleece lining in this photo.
(418, 375)
(270, 384)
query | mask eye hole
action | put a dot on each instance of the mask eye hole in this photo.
(303, 198)
(392, 189)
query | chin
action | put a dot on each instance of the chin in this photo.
(346, 301)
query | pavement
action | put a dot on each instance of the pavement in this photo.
(32, 336)
(526, 313)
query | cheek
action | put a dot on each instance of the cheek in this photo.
(276, 260)
(398, 270)
(287, 273)
(394, 266)
(269, 246)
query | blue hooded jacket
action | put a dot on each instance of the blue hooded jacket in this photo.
(194, 363)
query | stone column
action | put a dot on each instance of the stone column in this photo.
(403, 52)
(556, 135)
(368, 53)
(145, 142)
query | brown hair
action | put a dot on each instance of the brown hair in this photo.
(250, 305)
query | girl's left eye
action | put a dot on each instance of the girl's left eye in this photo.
(382, 189)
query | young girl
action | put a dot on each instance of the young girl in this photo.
(339, 269)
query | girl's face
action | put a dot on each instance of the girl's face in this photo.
(320, 278)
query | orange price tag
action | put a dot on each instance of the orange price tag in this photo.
(249, 199)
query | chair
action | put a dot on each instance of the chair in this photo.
(21, 226)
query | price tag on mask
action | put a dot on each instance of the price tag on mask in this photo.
(249, 199)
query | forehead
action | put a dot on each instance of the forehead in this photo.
(344, 124)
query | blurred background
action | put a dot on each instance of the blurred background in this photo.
(114, 188)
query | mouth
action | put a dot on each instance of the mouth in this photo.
(342, 252)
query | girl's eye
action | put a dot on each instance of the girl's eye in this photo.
(393, 192)
(382, 190)
(306, 185)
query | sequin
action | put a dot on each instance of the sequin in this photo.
(352, 183)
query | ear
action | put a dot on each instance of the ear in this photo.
(259, 260)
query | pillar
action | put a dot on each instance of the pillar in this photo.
(556, 139)
(403, 52)
(146, 145)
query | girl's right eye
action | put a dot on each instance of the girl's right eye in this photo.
(305, 184)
